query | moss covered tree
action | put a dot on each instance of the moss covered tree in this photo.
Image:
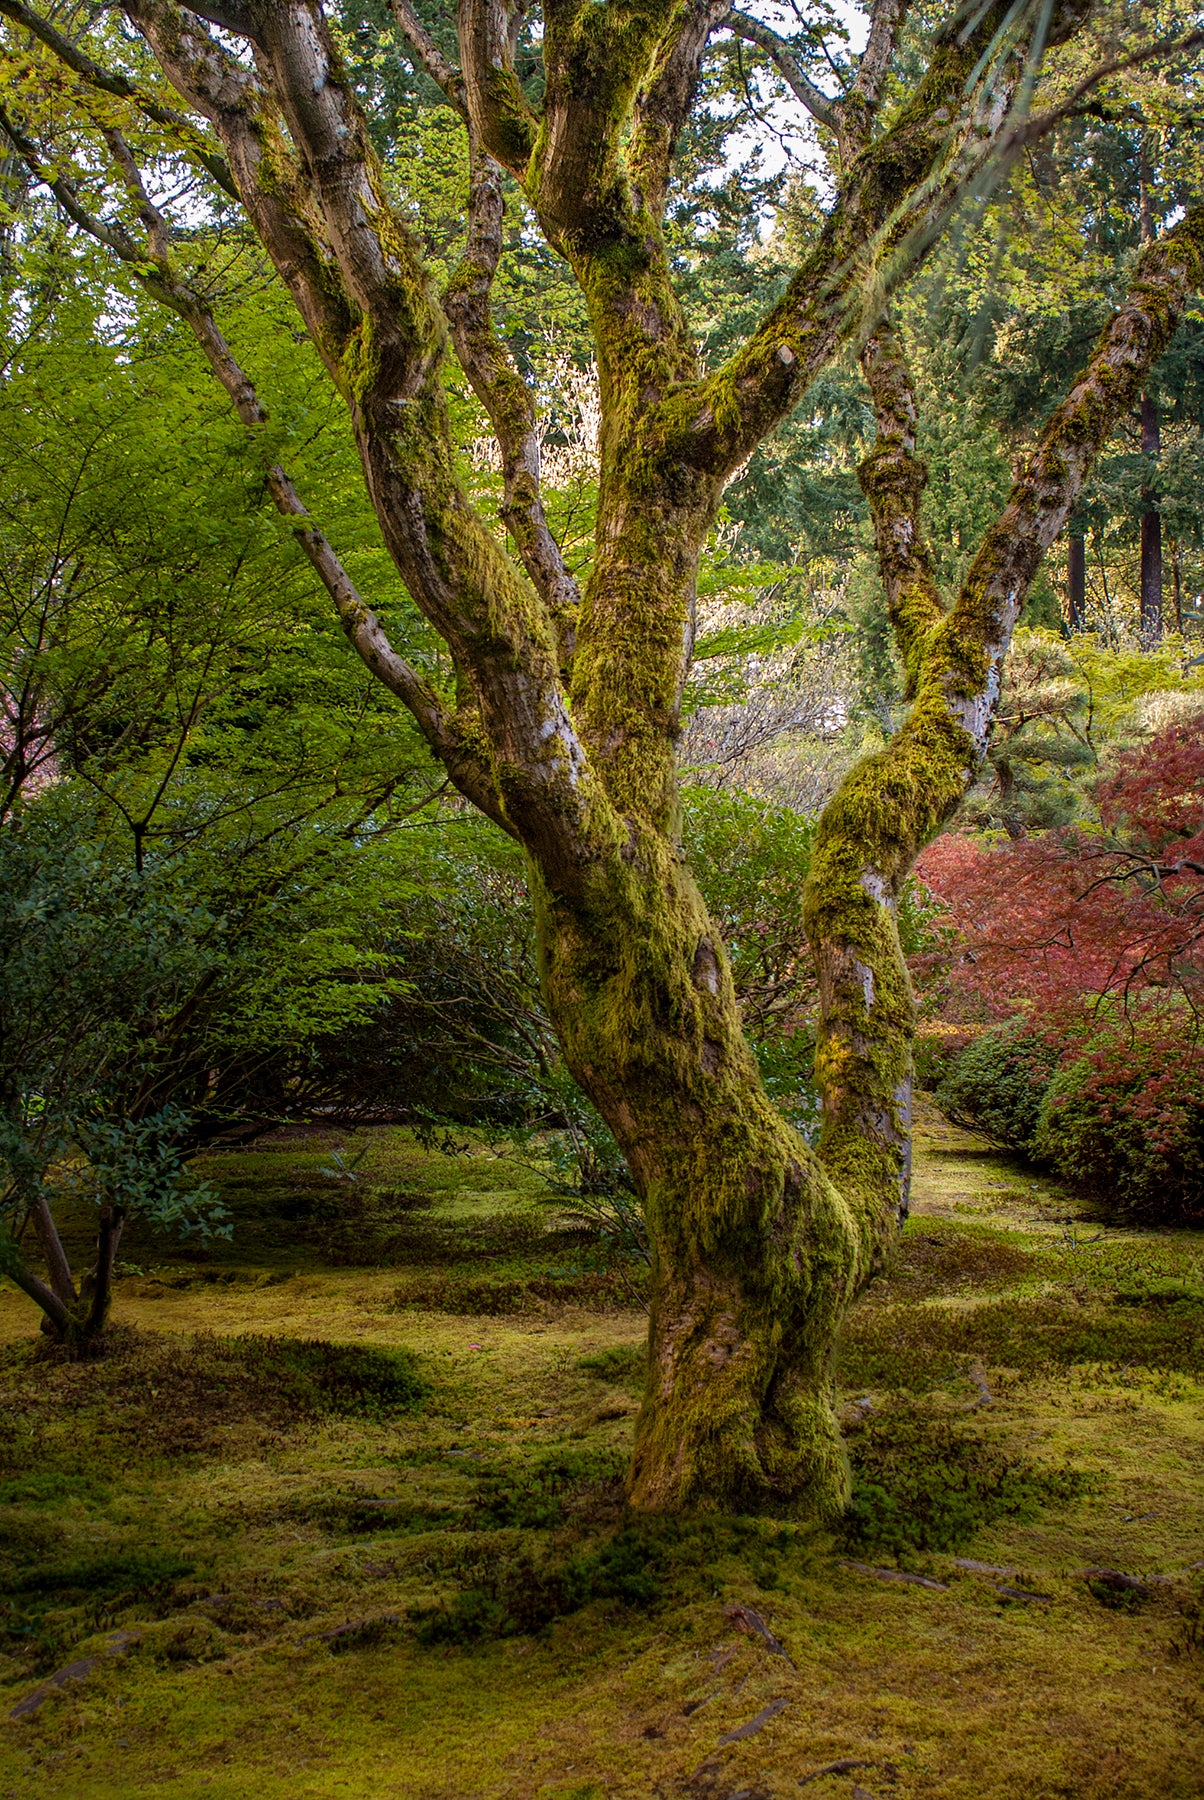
(563, 718)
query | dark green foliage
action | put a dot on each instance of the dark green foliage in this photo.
(521, 1290)
(524, 1595)
(998, 1083)
(918, 1347)
(130, 1575)
(156, 1396)
(625, 1363)
(365, 1634)
(1113, 1107)
(537, 1498)
(317, 1376)
(923, 1482)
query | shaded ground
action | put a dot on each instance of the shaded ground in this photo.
(341, 1515)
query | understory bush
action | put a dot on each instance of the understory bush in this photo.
(1115, 1107)
(523, 1594)
(921, 1481)
(998, 1082)
(1126, 1120)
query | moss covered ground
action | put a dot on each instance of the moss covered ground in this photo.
(340, 1513)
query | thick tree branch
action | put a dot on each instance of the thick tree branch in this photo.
(429, 56)
(505, 395)
(860, 104)
(664, 105)
(53, 1254)
(896, 195)
(14, 1266)
(893, 479)
(824, 111)
(498, 110)
(596, 60)
(265, 170)
(387, 364)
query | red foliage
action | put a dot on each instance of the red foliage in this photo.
(1119, 910)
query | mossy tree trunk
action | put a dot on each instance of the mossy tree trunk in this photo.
(565, 715)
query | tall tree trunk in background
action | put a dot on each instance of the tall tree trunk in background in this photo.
(1151, 533)
(1076, 582)
(1177, 582)
(1151, 446)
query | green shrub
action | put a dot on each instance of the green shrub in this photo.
(924, 1482)
(625, 1364)
(535, 1497)
(1116, 1109)
(138, 1574)
(522, 1595)
(1126, 1121)
(998, 1082)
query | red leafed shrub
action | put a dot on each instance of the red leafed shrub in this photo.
(1117, 910)
(1125, 1119)
(1088, 946)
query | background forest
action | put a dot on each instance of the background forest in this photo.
(246, 920)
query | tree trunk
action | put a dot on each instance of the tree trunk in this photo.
(1151, 534)
(1076, 582)
(755, 1254)
(1177, 582)
(96, 1289)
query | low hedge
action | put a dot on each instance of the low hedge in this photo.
(1115, 1107)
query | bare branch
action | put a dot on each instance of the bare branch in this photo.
(505, 395)
(1165, 274)
(266, 174)
(823, 110)
(429, 56)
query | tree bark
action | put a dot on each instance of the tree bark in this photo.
(755, 1254)
(1151, 533)
(96, 1289)
(1076, 582)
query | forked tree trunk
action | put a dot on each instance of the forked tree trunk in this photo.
(755, 1254)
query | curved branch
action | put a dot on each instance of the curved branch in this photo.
(505, 395)
(429, 57)
(824, 111)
